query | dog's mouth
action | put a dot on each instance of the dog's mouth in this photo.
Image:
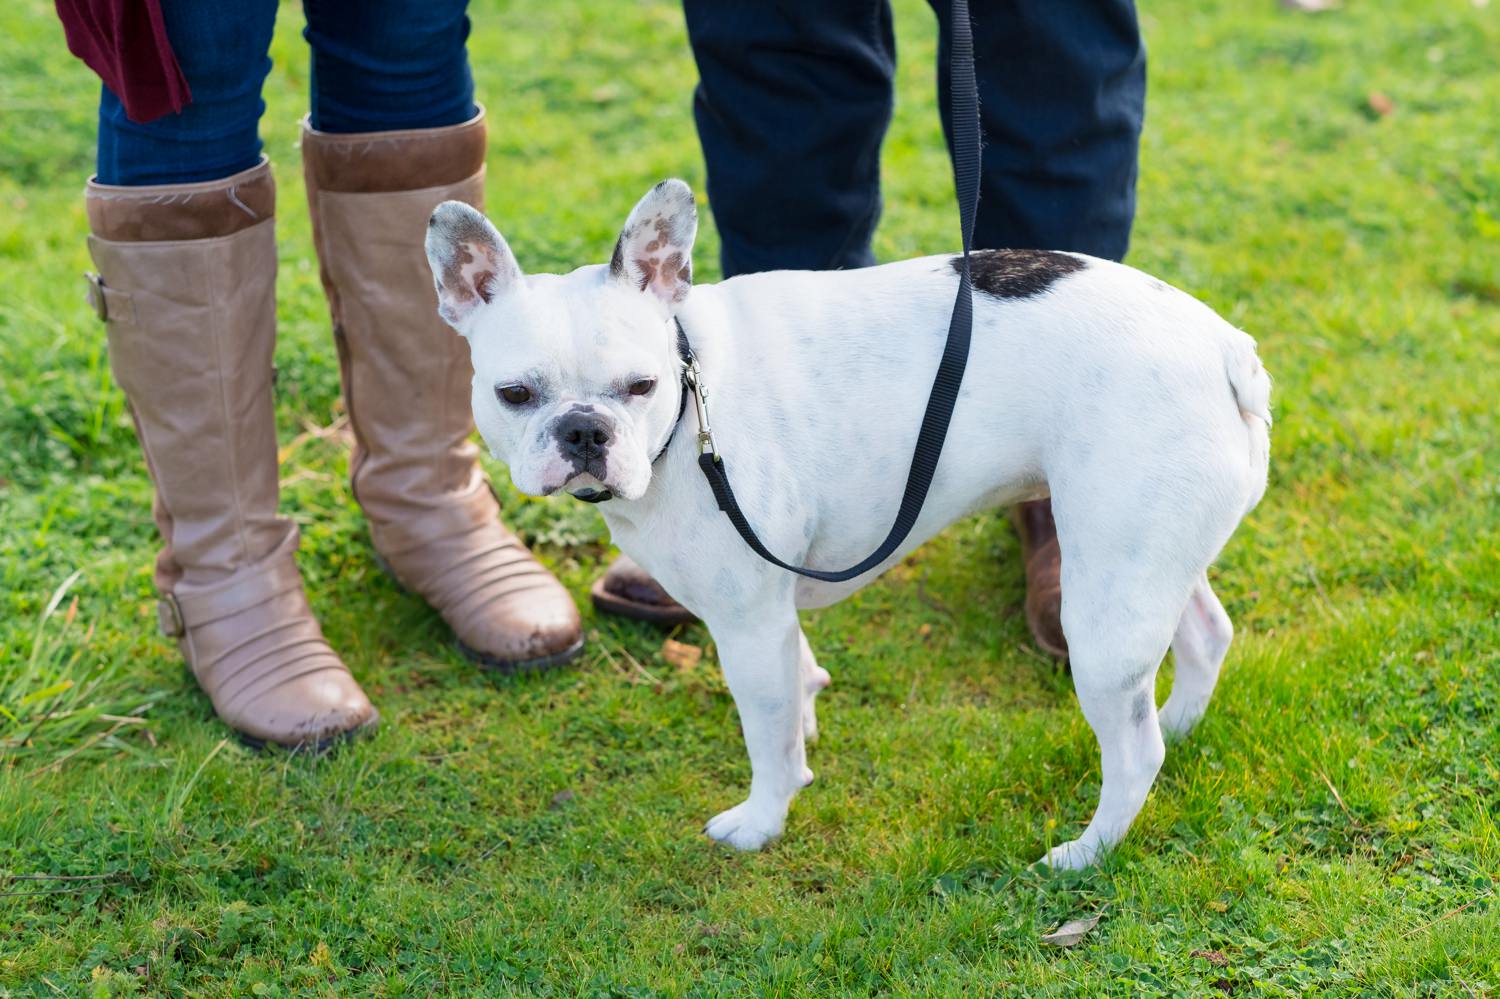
(589, 494)
(588, 487)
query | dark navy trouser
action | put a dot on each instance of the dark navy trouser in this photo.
(377, 65)
(795, 97)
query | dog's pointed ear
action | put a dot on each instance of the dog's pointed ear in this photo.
(655, 250)
(471, 265)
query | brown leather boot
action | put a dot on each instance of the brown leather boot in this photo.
(627, 590)
(186, 285)
(1040, 552)
(414, 470)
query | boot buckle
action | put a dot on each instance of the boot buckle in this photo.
(169, 616)
(109, 304)
(96, 295)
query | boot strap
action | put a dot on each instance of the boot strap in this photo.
(107, 303)
(187, 608)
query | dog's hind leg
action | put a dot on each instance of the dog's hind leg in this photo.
(761, 654)
(1202, 639)
(814, 679)
(1115, 691)
(1119, 619)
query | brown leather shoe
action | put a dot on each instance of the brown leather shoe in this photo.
(1042, 557)
(627, 590)
(406, 376)
(186, 284)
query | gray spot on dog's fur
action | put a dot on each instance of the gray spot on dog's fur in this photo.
(727, 583)
(1140, 709)
(1017, 273)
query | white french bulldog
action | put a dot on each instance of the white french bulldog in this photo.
(1141, 413)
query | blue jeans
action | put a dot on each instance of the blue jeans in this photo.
(377, 65)
(795, 98)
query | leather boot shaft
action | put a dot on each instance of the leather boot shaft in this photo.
(371, 195)
(187, 288)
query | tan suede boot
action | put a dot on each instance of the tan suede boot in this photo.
(414, 471)
(1043, 558)
(186, 285)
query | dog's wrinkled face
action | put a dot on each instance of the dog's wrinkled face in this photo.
(576, 377)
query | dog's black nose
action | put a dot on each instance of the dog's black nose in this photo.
(584, 436)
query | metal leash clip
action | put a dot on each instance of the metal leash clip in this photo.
(694, 378)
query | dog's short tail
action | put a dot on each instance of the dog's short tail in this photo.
(1252, 391)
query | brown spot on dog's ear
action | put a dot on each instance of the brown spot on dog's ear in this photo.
(1017, 273)
(471, 265)
(653, 252)
(647, 268)
(484, 283)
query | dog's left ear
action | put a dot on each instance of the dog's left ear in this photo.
(471, 263)
(655, 250)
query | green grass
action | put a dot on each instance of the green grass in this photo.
(1330, 829)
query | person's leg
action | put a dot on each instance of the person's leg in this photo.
(1062, 94)
(792, 106)
(389, 65)
(181, 219)
(222, 49)
(393, 132)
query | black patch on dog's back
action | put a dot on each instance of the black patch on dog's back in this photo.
(1017, 273)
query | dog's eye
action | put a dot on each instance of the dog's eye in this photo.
(643, 386)
(515, 395)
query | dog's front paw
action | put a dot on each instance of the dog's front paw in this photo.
(1071, 856)
(744, 827)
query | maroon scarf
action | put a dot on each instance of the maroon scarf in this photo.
(125, 42)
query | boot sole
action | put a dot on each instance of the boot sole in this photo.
(318, 748)
(636, 610)
(509, 667)
(1056, 652)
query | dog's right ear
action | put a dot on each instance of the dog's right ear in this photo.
(471, 265)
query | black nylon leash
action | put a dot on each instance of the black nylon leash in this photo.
(964, 122)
